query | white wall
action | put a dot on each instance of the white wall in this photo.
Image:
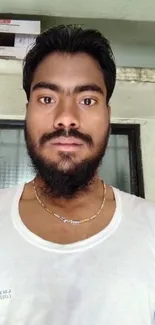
(133, 102)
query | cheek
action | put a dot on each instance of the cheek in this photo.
(100, 126)
(35, 124)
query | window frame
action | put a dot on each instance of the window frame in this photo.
(135, 155)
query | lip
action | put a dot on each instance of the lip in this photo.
(66, 144)
(66, 147)
(66, 141)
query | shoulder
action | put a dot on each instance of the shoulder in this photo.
(136, 209)
(135, 203)
(5, 192)
(7, 195)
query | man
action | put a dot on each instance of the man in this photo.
(73, 249)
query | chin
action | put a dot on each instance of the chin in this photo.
(66, 166)
(66, 159)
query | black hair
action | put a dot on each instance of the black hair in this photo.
(71, 39)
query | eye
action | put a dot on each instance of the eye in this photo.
(88, 101)
(46, 100)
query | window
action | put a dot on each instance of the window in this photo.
(121, 166)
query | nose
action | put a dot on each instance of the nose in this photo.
(67, 117)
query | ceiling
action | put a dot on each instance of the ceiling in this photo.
(140, 10)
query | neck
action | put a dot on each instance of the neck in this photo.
(94, 191)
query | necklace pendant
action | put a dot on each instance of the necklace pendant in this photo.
(76, 222)
(63, 219)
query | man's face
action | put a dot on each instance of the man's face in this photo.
(67, 122)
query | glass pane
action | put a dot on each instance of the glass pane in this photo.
(15, 166)
(14, 161)
(115, 168)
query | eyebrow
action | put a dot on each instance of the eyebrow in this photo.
(76, 90)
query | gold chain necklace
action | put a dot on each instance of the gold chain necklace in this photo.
(70, 220)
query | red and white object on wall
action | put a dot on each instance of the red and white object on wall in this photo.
(16, 36)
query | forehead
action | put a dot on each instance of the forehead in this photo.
(69, 70)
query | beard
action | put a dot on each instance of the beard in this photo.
(65, 183)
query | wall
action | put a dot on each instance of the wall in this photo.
(119, 9)
(133, 42)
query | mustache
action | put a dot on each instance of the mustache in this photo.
(66, 133)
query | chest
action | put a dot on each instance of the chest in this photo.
(87, 289)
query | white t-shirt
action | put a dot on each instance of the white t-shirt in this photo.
(107, 279)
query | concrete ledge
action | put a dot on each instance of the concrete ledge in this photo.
(136, 74)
